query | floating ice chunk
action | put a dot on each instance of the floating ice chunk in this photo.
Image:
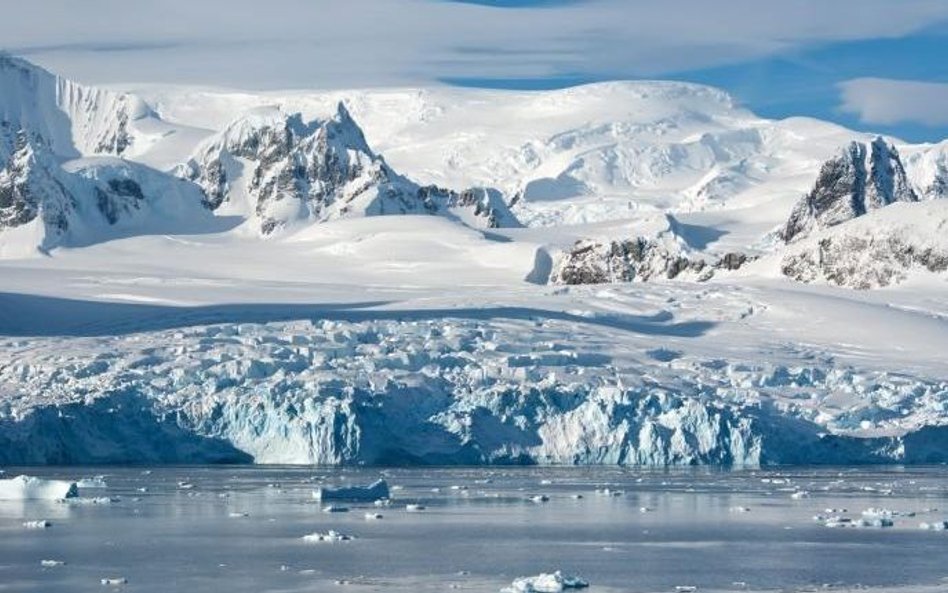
(375, 491)
(871, 513)
(645, 510)
(114, 581)
(185, 485)
(238, 515)
(685, 589)
(540, 498)
(608, 492)
(834, 522)
(545, 583)
(413, 508)
(328, 537)
(52, 563)
(577, 497)
(31, 488)
(94, 483)
(877, 522)
(334, 508)
(739, 510)
(373, 516)
(41, 524)
(89, 501)
(934, 526)
(799, 494)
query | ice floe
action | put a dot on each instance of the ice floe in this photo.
(32, 488)
(52, 563)
(327, 537)
(375, 491)
(555, 582)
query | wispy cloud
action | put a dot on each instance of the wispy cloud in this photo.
(327, 43)
(884, 101)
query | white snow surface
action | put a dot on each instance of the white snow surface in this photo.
(172, 336)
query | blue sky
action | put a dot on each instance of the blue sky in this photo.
(802, 81)
(869, 64)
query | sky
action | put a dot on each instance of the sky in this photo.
(876, 65)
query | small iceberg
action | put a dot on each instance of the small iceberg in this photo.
(328, 537)
(41, 524)
(114, 581)
(545, 583)
(94, 483)
(31, 488)
(374, 491)
(52, 563)
(934, 526)
(414, 508)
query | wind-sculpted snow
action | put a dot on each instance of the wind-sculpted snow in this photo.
(436, 389)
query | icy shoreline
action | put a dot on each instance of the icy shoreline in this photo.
(445, 391)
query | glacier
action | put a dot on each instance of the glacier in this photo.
(639, 273)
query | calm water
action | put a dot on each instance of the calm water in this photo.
(479, 538)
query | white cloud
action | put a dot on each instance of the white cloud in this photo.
(886, 102)
(337, 43)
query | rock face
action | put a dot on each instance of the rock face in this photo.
(46, 203)
(279, 170)
(861, 179)
(635, 260)
(881, 249)
(32, 189)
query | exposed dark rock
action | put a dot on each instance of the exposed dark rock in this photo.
(635, 260)
(860, 179)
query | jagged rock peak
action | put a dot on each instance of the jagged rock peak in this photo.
(30, 187)
(861, 178)
(279, 170)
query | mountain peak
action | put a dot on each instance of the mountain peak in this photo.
(859, 179)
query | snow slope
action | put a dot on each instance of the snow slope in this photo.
(167, 320)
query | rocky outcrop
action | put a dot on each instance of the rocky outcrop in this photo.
(874, 251)
(860, 179)
(31, 188)
(279, 170)
(636, 260)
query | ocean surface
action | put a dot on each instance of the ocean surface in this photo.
(240, 529)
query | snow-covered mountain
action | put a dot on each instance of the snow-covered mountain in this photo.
(861, 179)
(220, 285)
(278, 170)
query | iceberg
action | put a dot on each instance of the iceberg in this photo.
(32, 488)
(377, 490)
(545, 583)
